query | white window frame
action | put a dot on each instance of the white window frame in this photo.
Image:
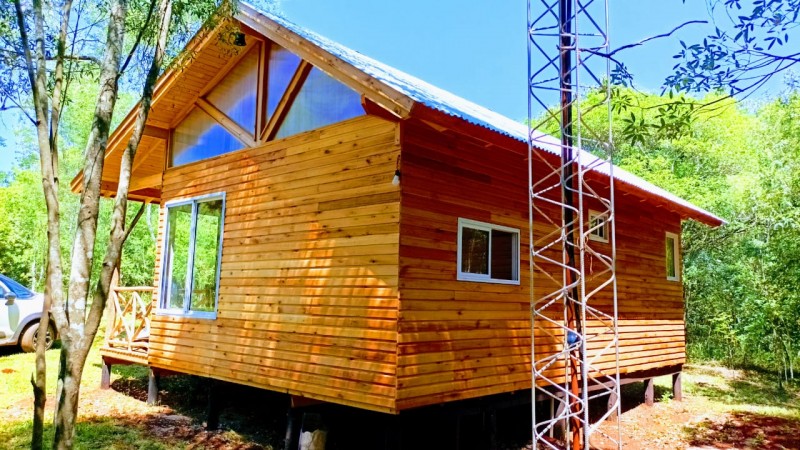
(164, 285)
(676, 242)
(594, 237)
(481, 278)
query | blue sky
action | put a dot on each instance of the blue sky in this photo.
(474, 48)
(477, 48)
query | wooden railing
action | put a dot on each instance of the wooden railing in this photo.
(129, 318)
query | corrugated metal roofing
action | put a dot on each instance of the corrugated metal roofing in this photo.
(453, 105)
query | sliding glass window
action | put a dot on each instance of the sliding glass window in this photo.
(192, 254)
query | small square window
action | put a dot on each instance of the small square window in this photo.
(673, 256)
(192, 254)
(487, 253)
(598, 226)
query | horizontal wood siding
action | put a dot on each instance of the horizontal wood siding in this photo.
(461, 339)
(308, 292)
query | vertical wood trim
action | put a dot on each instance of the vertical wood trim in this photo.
(286, 101)
(261, 92)
(168, 154)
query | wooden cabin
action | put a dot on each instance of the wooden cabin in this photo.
(289, 260)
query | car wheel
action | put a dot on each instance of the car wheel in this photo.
(29, 337)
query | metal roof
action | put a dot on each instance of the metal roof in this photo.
(453, 105)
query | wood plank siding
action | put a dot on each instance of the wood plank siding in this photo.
(459, 339)
(308, 290)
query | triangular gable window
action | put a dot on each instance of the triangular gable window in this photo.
(236, 93)
(200, 137)
(321, 101)
(294, 97)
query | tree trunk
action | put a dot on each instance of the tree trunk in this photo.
(70, 372)
(70, 316)
(39, 380)
(78, 343)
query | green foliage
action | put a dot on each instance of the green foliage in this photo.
(742, 280)
(24, 224)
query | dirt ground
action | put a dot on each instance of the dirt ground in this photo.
(721, 409)
(718, 412)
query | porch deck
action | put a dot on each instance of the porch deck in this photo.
(127, 337)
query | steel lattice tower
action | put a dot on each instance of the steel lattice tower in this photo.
(575, 345)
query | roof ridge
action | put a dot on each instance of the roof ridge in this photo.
(456, 106)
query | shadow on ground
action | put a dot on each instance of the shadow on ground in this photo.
(257, 415)
(747, 431)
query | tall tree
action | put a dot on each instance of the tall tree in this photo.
(42, 59)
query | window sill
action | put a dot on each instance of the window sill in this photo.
(187, 315)
(479, 279)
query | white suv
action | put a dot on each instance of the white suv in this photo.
(20, 311)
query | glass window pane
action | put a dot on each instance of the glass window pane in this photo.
(206, 251)
(503, 260)
(282, 66)
(200, 137)
(179, 222)
(670, 257)
(19, 290)
(321, 101)
(598, 220)
(235, 95)
(474, 251)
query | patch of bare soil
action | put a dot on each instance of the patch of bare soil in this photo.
(656, 427)
(743, 430)
(701, 422)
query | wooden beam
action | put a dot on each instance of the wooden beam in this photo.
(152, 387)
(612, 404)
(156, 132)
(649, 391)
(286, 101)
(158, 123)
(105, 376)
(377, 110)
(677, 387)
(232, 127)
(109, 189)
(214, 407)
(149, 181)
(375, 89)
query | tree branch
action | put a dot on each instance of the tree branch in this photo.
(134, 221)
(138, 38)
(643, 41)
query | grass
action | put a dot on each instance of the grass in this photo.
(745, 392)
(120, 419)
(122, 431)
(93, 433)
